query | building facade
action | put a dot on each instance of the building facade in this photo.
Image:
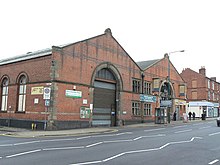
(202, 92)
(167, 86)
(93, 82)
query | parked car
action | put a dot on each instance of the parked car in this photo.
(218, 121)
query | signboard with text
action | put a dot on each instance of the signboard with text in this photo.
(73, 94)
(148, 98)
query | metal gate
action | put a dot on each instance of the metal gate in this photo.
(104, 112)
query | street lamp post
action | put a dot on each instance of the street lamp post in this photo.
(168, 78)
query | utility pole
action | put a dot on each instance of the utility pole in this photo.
(168, 81)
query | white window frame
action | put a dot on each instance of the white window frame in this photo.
(22, 94)
(4, 97)
(147, 109)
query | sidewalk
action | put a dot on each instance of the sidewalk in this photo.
(18, 132)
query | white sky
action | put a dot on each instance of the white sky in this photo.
(146, 29)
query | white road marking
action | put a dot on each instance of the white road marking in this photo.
(216, 133)
(118, 141)
(57, 140)
(198, 124)
(149, 130)
(187, 130)
(95, 144)
(6, 145)
(214, 161)
(62, 148)
(137, 151)
(93, 162)
(180, 126)
(205, 127)
(86, 137)
(113, 157)
(137, 138)
(23, 153)
(31, 142)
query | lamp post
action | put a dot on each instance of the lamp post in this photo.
(168, 78)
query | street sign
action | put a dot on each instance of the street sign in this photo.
(47, 103)
(47, 91)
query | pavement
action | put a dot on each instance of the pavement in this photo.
(19, 132)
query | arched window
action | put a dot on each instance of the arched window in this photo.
(4, 97)
(22, 93)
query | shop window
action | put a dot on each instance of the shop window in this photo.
(136, 108)
(22, 93)
(147, 109)
(4, 97)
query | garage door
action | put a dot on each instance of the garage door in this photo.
(104, 104)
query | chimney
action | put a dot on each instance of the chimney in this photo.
(202, 71)
(213, 78)
(108, 31)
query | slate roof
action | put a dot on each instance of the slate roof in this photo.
(146, 64)
(27, 56)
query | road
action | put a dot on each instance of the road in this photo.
(193, 143)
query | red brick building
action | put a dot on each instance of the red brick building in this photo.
(202, 92)
(167, 85)
(88, 83)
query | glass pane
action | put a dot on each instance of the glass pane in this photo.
(3, 103)
(20, 101)
(21, 88)
(24, 99)
(4, 90)
(24, 92)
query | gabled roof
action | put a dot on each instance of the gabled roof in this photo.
(48, 51)
(146, 64)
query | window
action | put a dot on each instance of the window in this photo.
(194, 83)
(147, 109)
(136, 86)
(209, 84)
(22, 93)
(213, 85)
(4, 97)
(105, 74)
(194, 95)
(147, 87)
(136, 108)
(209, 95)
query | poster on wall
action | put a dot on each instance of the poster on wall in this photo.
(85, 113)
(37, 90)
(156, 84)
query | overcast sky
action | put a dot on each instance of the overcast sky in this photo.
(146, 29)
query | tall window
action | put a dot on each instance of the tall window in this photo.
(136, 84)
(22, 93)
(4, 98)
(136, 108)
(147, 109)
(209, 84)
(147, 87)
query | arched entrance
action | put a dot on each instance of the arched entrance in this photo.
(166, 101)
(106, 95)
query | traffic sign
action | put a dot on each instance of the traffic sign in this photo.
(47, 91)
